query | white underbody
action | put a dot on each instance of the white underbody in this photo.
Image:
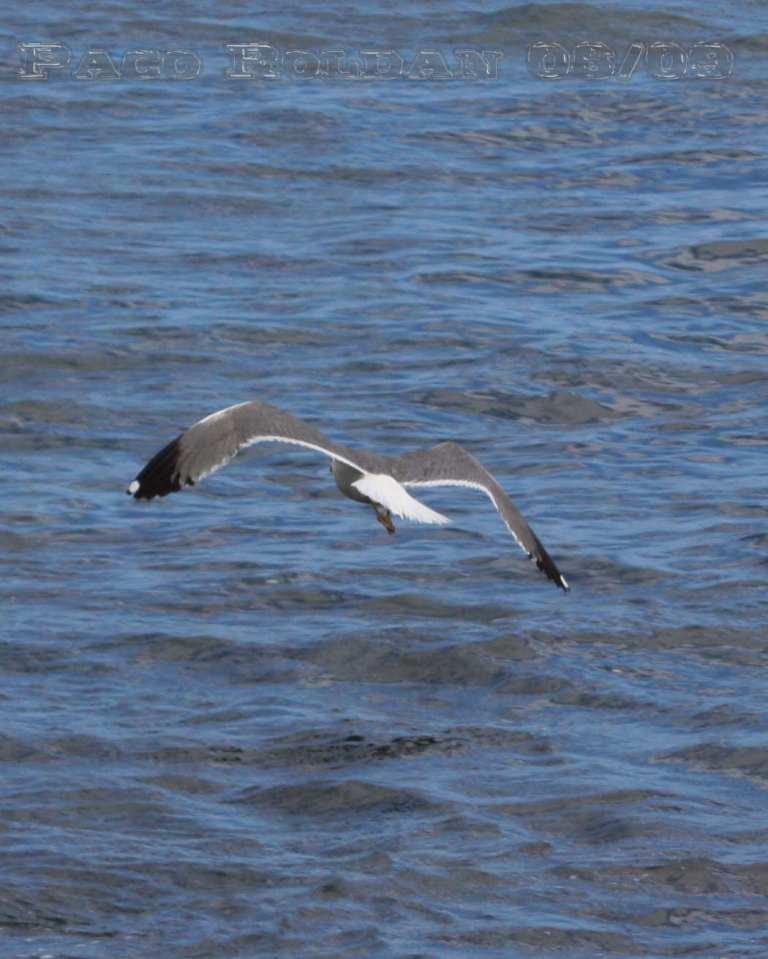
(385, 491)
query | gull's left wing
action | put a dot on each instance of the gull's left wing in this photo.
(214, 440)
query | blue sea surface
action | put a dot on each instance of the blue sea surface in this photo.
(243, 721)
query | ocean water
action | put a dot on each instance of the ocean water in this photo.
(243, 721)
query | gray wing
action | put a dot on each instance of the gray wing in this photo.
(213, 441)
(449, 464)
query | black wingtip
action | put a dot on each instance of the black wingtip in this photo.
(546, 564)
(160, 476)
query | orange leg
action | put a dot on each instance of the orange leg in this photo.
(385, 519)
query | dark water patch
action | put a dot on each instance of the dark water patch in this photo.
(23, 302)
(617, 797)
(697, 639)
(693, 875)
(699, 918)
(294, 337)
(213, 205)
(596, 829)
(26, 659)
(21, 414)
(529, 138)
(526, 684)
(609, 819)
(308, 750)
(37, 364)
(349, 659)
(23, 439)
(162, 647)
(577, 941)
(719, 757)
(753, 303)
(607, 575)
(619, 376)
(363, 176)
(352, 798)
(184, 784)
(753, 43)
(733, 343)
(83, 746)
(721, 255)
(116, 807)
(742, 377)
(166, 336)
(22, 915)
(504, 738)
(595, 699)
(318, 748)
(727, 714)
(697, 157)
(558, 407)
(14, 750)
(194, 754)
(752, 876)
(547, 281)
(509, 647)
(254, 261)
(422, 605)
(239, 597)
(208, 655)
(568, 17)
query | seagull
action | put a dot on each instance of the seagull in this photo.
(381, 482)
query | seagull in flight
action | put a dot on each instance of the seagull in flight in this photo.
(381, 482)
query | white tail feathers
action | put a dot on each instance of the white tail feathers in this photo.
(386, 491)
